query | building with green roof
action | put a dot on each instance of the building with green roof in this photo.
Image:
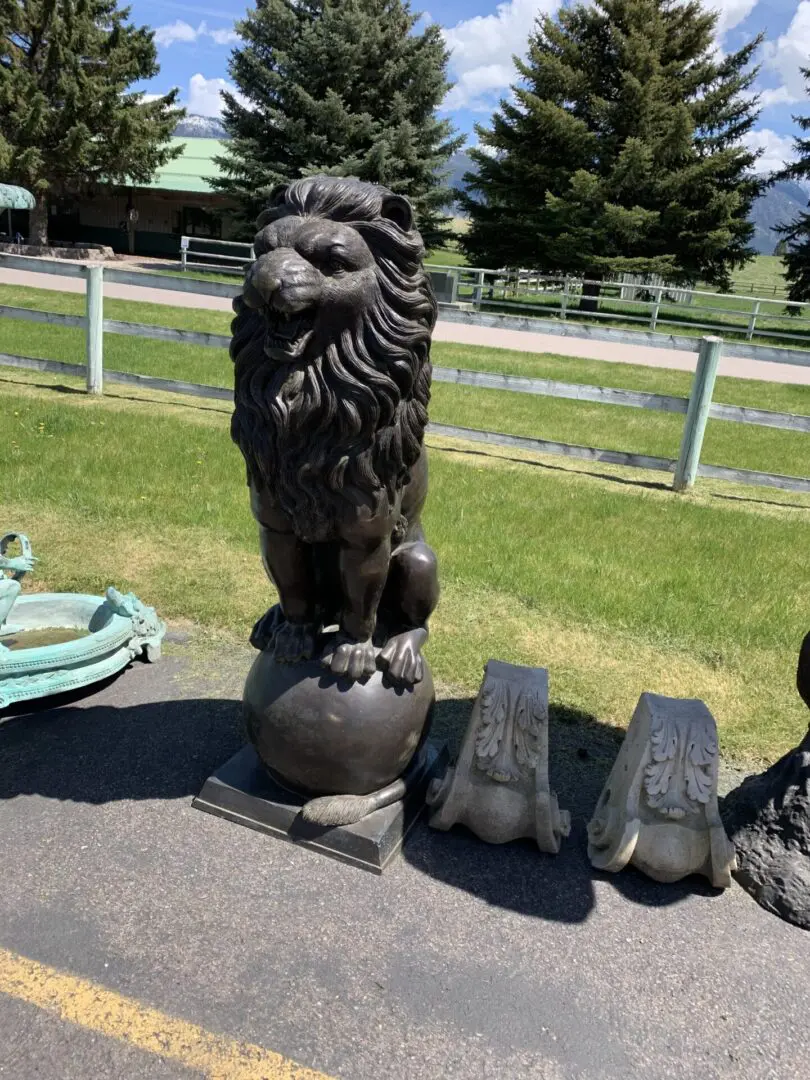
(149, 219)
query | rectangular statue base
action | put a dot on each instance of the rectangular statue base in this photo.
(241, 791)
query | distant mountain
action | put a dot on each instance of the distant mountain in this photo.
(778, 206)
(200, 127)
(457, 165)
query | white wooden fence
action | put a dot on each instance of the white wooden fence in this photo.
(521, 290)
(698, 408)
(553, 296)
(195, 248)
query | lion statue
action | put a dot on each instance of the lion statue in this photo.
(331, 347)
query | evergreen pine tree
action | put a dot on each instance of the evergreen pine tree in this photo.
(342, 87)
(620, 150)
(67, 117)
(796, 234)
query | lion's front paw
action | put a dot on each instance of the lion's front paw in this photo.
(357, 659)
(294, 642)
(403, 657)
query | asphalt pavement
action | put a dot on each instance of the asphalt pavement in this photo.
(462, 961)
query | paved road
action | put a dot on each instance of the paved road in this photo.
(463, 961)
(467, 335)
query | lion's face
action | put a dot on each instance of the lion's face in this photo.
(312, 279)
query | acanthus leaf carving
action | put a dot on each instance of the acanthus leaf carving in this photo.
(506, 742)
(677, 751)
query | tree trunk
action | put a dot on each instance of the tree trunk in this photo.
(38, 222)
(590, 293)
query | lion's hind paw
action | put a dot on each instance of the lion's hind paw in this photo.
(294, 642)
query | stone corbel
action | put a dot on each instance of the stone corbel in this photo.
(499, 787)
(658, 809)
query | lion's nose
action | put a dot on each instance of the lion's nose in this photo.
(282, 279)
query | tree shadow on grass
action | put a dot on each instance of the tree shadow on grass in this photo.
(60, 388)
(518, 877)
(625, 481)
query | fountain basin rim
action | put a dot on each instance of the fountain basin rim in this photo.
(120, 628)
(111, 635)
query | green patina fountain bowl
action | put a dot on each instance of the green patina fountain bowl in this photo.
(54, 642)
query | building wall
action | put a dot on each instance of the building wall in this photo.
(162, 218)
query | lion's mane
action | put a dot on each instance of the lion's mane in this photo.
(351, 420)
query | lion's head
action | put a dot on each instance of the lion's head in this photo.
(331, 345)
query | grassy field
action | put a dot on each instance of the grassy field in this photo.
(605, 576)
(763, 276)
(608, 427)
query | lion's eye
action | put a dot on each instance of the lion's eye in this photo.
(337, 261)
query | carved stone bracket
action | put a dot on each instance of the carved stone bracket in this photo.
(658, 809)
(499, 787)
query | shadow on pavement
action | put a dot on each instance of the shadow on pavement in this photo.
(69, 749)
(102, 753)
(517, 876)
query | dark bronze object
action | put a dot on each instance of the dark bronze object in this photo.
(768, 819)
(242, 791)
(331, 347)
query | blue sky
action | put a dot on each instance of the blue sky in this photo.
(195, 40)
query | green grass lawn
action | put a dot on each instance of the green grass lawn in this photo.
(764, 275)
(608, 427)
(445, 257)
(612, 581)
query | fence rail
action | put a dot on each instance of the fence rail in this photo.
(555, 295)
(470, 283)
(697, 408)
(195, 246)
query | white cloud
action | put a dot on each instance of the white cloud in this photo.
(176, 31)
(224, 36)
(482, 47)
(730, 13)
(182, 31)
(776, 149)
(482, 51)
(786, 55)
(778, 96)
(204, 95)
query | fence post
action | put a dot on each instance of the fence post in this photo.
(656, 306)
(700, 400)
(752, 322)
(95, 328)
(478, 291)
(564, 298)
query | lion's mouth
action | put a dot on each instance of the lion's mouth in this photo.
(288, 335)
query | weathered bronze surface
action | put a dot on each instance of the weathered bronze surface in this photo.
(242, 791)
(331, 347)
(768, 819)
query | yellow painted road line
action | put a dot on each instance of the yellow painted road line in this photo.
(95, 1008)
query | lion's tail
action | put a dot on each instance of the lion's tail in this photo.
(347, 809)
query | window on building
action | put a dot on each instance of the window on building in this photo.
(199, 222)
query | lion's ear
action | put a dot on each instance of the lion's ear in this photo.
(277, 197)
(397, 209)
